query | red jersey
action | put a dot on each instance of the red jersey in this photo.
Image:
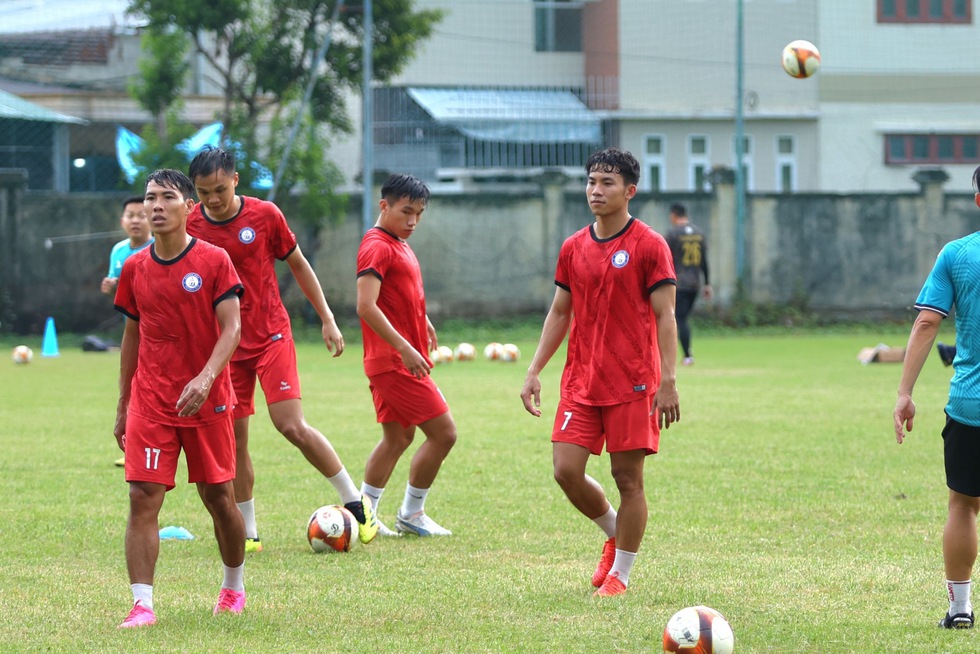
(613, 356)
(254, 238)
(174, 302)
(402, 298)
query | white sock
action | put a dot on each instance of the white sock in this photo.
(248, 513)
(234, 578)
(345, 486)
(607, 522)
(374, 493)
(414, 500)
(143, 593)
(959, 597)
(622, 565)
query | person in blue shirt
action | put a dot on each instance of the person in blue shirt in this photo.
(137, 228)
(952, 284)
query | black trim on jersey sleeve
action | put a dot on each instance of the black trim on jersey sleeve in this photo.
(235, 291)
(370, 271)
(942, 312)
(291, 250)
(125, 313)
(668, 280)
(563, 286)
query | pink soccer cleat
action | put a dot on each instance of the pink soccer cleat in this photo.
(139, 616)
(230, 601)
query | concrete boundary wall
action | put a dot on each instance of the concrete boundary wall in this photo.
(492, 253)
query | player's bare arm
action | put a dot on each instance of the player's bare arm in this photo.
(310, 285)
(128, 358)
(368, 290)
(109, 285)
(666, 401)
(430, 331)
(197, 390)
(555, 328)
(923, 335)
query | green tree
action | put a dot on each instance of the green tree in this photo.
(263, 52)
(163, 71)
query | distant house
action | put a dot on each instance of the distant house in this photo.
(37, 140)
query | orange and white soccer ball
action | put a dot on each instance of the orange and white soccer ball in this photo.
(444, 354)
(801, 59)
(465, 352)
(510, 353)
(332, 528)
(699, 630)
(493, 351)
(22, 354)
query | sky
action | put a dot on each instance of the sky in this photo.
(46, 15)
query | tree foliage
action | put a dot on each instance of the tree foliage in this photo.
(262, 52)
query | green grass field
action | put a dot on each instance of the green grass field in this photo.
(781, 499)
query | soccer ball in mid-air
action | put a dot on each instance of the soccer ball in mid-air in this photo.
(801, 59)
(698, 630)
(465, 352)
(510, 353)
(493, 351)
(332, 528)
(22, 354)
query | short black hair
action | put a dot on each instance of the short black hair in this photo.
(170, 178)
(976, 180)
(678, 209)
(613, 160)
(209, 161)
(133, 199)
(400, 186)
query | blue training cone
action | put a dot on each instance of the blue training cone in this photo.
(49, 348)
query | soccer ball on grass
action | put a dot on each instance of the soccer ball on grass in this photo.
(332, 528)
(698, 630)
(465, 352)
(510, 353)
(22, 354)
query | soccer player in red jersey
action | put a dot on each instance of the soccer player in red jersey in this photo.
(615, 293)
(255, 235)
(397, 339)
(182, 297)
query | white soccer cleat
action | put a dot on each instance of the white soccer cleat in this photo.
(419, 524)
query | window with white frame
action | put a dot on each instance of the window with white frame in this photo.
(698, 162)
(786, 163)
(654, 176)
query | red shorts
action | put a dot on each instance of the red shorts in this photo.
(400, 397)
(622, 427)
(152, 451)
(276, 371)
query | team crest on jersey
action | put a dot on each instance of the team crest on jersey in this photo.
(620, 258)
(191, 282)
(246, 235)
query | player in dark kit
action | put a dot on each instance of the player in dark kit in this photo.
(615, 294)
(255, 235)
(689, 249)
(181, 295)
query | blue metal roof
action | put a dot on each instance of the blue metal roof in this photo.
(512, 115)
(12, 106)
